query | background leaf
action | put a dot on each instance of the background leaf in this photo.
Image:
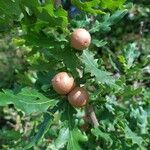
(99, 134)
(43, 128)
(92, 67)
(28, 100)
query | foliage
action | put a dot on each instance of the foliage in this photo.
(114, 70)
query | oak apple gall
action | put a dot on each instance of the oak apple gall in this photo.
(78, 97)
(63, 83)
(80, 39)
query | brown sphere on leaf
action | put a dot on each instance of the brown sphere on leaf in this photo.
(80, 39)
(78, 97)
(63, 83)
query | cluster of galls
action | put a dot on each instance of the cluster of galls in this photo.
(63, 83)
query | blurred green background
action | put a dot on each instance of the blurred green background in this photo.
(134, 28)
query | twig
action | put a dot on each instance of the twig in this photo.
(141, 28)
(90, 112)
(141, 34)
